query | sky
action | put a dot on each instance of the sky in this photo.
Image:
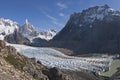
(48, 14)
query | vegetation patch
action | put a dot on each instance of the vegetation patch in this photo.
(113, 68)
(16, 62)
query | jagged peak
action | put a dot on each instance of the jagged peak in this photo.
(28, 25)
(26, 21)
(106, 6)
(7, 22)
(11, 22)
(52, 30)
(49, 31)
(94, 13)
(94, 8)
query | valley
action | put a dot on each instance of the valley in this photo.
(86, 48)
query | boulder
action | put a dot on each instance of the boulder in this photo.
(2, 44)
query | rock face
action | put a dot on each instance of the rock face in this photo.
(57, 74)
(94, 30)
(16, 38)
(2, 44)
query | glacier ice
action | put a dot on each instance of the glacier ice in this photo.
(53, 58)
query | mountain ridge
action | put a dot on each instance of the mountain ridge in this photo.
(8, 27)
(94, 30)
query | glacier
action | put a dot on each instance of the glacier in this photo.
(53, 58)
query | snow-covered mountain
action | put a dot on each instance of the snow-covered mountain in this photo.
(28, 31)
(7, 27)
(92, 14)
(47, 34)
(94, 30)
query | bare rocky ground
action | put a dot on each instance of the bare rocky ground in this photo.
(14, 66)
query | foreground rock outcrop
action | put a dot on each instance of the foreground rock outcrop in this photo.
(14, 66)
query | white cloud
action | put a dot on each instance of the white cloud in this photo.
(62, 14)
(53, 19)
(58, 23)
(49, 16)
(61, 5)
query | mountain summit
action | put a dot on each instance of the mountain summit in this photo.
(7, 27)
(94, 30)
(28, 30)
(26, 21)
(48, 34)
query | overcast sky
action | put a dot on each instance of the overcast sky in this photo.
(46, 14)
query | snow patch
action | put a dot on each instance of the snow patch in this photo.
(90, 26)
(80, 25)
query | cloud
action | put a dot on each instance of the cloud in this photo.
(61, 5)
(58, 23)
(51, 17)
(62, 14)
(54, 20)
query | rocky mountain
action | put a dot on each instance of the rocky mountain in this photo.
(48, 34)
(28, 30)
(43, 38)
(16, 38)
(94, 30)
